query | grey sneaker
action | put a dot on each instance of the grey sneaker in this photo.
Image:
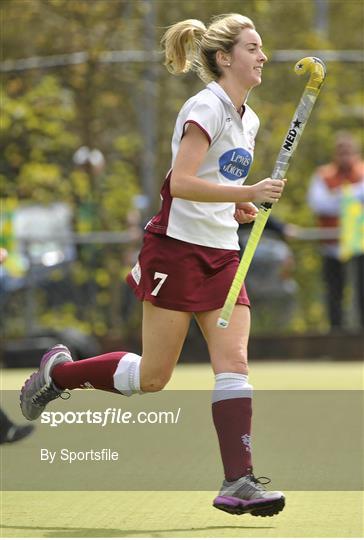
(248, 495)
(39, 389)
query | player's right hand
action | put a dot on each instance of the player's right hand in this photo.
(268, 190)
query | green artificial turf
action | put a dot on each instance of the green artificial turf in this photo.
(162, 514)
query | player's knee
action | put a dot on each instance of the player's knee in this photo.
(154, 384)
(235, 362)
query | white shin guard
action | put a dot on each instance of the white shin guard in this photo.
(127, 375)
(230, 386)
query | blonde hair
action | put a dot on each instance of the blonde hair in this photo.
(189, 45)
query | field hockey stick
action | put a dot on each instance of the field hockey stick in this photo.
(317, 71)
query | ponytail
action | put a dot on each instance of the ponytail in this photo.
(181, 44)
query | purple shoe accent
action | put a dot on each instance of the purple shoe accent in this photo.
(55, 350)
(256, 507)
(230, 501)
(235, 501)
(39, 389)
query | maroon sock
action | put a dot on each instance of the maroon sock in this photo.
(232, 419)
(97, 372)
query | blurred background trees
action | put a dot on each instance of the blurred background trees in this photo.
(98, 81)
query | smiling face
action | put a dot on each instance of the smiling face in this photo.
(246, 59)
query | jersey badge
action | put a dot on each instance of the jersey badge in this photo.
(235, 164)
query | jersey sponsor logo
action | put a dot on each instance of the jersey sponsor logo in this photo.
(235, 163)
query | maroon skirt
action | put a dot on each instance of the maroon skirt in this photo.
(177, 275)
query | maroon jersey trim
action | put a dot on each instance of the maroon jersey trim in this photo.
(198, 125)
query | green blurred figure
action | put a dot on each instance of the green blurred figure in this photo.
(10, 432)
(325, 199)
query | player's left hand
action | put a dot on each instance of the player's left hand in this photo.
(245, 212)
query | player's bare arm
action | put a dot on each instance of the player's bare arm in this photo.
(186, 185)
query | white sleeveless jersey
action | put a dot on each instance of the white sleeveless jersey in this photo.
(227, 162)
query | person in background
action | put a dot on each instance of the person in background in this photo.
(10, 432)
(325, 198)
